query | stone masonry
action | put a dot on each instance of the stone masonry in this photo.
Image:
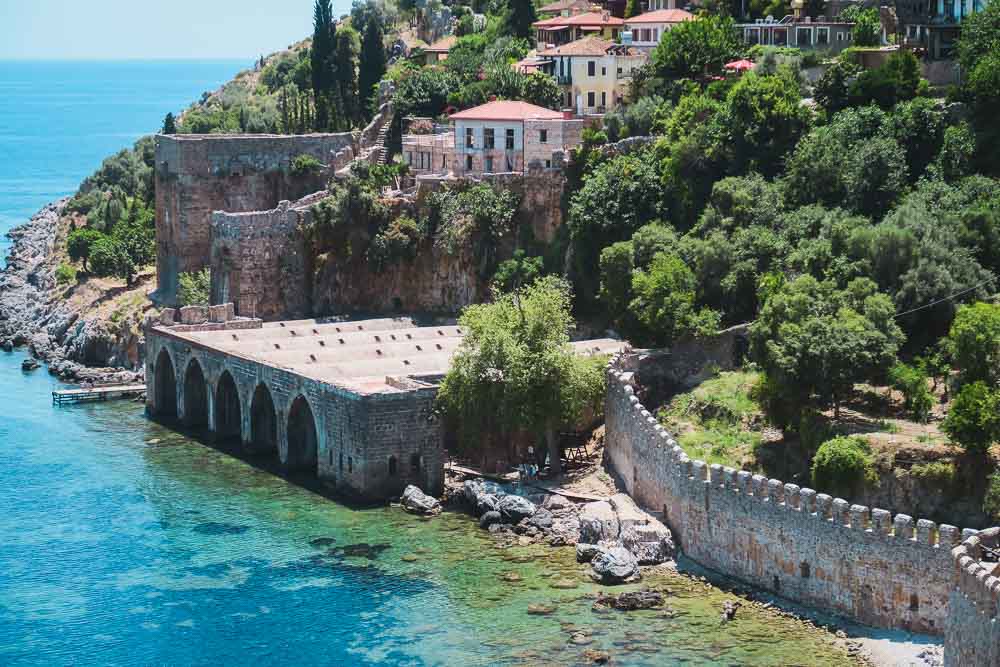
(972, 631)
(862, 563)
(198, 174)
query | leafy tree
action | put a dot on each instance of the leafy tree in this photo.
(130, 246)
(632, 8)
(813, 339)
(80, 243)
(697, 48)
(991, 499)
(520, 15)
(169, 124)
(424, 92)
(664, 303)
(347, 52)
(515, 371)
(867, 28)
(958, 150)
(832, 90)
(842, 465)
(373, 59)
(517, 272)
(912, 382)
(896, 81)
(541, 89)
(980, 37)
(194, 288)
(974, 342)
(973, 420)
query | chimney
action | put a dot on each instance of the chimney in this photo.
(567, 114)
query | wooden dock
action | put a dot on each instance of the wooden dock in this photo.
(97, 393)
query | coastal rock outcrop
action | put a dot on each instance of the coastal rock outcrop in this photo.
(416, 501)
(618, 522)
(515, 508)
(615, 565)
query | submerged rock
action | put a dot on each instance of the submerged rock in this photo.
(540, 609)
(29, 364)
(615, 565)
(597, 657)
(515, 508)
(418, 502)
(319, 541)
(631, 600)
(729, 608)
(490, 518)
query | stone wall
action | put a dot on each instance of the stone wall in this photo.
(357, 433)
(972, 632)
(881, 570)
(198, 174)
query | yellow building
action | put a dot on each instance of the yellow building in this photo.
(593, 73)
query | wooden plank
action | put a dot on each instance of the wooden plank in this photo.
(102, 393)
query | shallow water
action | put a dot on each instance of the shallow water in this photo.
(125, 543)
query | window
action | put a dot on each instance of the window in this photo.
(604, 99)
(590, 99)
(489, 165)
(510, 140)
(392, 466)
(548, 164)
(591, 67)
(444, 160)
(409, 157)
(614, 34)
(470, 141)
(468, 163)
(488, 141)
(543, 136)
(415, 462)
(510, 165)
(350, 464)
(604, 71)
(342, 462)
(822, 35)
(656, 34)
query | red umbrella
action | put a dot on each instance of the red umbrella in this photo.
(739, 65)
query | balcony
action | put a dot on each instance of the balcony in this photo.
(564, 79)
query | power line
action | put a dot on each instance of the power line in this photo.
(947, 298)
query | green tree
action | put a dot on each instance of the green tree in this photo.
(832, 90)
(815, 340)
(131, 246)
(80, 243)
(973, 419)
(169, 124)
(974, 342)
(372, 65)
(841, 465)
(697, 48)
(541, 89)
(194, 288)
(520, 15)
(632, 8)
(322, 62)
(347, 54)
(867, 28)
(980, 36)
(516, 372)
(517, 272)
(664, 303)
(912, 382)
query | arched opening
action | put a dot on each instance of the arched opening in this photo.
(302, 442)
(195, 396)
(228, 413)
(263, 422)
(166, 386)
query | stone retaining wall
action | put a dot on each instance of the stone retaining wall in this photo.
(862, 563)
(972, 633)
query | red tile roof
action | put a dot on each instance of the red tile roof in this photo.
(587, 46)
(662, 16)
(507, 110)
(443, 45)
(560, 5)
(588, 18)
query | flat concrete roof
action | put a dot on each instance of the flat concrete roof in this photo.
(359, 355)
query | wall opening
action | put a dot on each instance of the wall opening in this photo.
(228, 412)
(166, 386)
(804, 569)
(914, 602)
(302, 442)
(195, 396)
(392, 466)
(415, 463)
(263, 422)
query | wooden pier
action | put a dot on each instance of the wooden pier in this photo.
(97, 393)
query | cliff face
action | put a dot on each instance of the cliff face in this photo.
(89, 331)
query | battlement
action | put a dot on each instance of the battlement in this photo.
(972, 636)
(860, 562)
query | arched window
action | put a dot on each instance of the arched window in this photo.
(392, 466)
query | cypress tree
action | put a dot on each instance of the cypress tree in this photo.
(323, 74)
(169, 124)
(632, 8)
(520, 15)
(348, 47)
(372, 65)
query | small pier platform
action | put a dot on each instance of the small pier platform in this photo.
(97, 393)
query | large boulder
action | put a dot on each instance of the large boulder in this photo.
(651, 544)
(586, 552)
(490, 518)
(541, 519)
(472, 489)
(416, 501)
(614, 565)
(598, 522)
(487, 502)
(514, 508)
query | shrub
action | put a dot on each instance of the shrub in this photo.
(974, 340)
(398, 241)
(306, 165)
(973, 420)
(991, 500)
(912, 381)
(194, 289)
(842, 465)
(938, 473)
(65, 274)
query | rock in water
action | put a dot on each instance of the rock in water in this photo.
(615, 565)
(7, 345)
(632, 600)
(598, 521)
(651, 544)
(29, 364)
(586, 552)
(729, 608)
(490, 518)
(474, 488)
(487, 502)
(418, 502)
(515, 508)
(541, 519)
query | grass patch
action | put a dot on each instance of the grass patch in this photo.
(939, 473)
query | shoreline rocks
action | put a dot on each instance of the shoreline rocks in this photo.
(416, 501)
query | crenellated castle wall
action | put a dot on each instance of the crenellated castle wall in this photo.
(972, 631)
(862, 563)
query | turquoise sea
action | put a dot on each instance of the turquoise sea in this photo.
(125, 543)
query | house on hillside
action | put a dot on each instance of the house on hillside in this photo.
(803, 33)
(933, 27)
(438, 51)
(496, 137)
(592, 72)
(646, 30)
(567, 7)
(564, 29)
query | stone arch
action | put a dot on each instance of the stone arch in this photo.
(166, 386)
(263, 422)
(228, 409)
(195, 395)
(303, 442)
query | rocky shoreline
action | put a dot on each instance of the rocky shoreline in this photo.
(34, 315)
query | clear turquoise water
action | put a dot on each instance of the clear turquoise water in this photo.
(124, 543)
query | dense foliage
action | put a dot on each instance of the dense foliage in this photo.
(841, 466)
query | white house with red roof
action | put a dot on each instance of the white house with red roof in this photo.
(496, 137)
(646, 30)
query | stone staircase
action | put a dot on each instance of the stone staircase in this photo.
(378, 150)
